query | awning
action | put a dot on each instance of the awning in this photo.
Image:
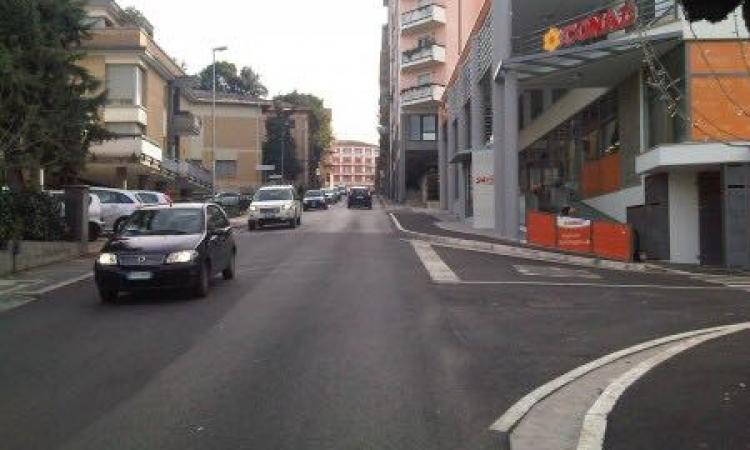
(596, 65)
(693, 156)
(461, 157)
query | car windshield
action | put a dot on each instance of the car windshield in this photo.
(270, 195)
(165, 222)
(359, 192)
(310, 194)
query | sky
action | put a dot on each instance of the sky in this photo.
(330, 48)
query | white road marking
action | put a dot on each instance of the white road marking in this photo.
(397, 223)
(593, 285)
(595, 422)
(510, 419)
(60, 285)
(436, 267)
(555, 272)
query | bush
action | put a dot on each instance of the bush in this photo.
(31, 216)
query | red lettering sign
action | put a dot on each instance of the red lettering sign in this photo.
(592, 27)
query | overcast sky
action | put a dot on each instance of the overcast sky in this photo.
(330, 48)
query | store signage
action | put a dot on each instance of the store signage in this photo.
(482, 179)
(592, 27)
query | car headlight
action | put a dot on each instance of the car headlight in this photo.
(286, 207)
(107, 259)
(182, 257)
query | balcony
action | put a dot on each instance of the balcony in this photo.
(128, 148)
(187, 124)
(422, 95)
(423, 57)
(114, 113)
(423, 18)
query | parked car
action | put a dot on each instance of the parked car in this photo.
(153, 198)
(331, 195)
(96, 219)
(117, 205)
(314, 200)
(226, 199)
(167, 247)
(359, 197)
(275, 205)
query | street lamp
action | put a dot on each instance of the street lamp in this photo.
(213, 116)
(283, 114)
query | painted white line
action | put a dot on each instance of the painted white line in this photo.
(436, 267)
(397, 223)
(60, 285)
(595, 422)
(592, 285)
(508, 421)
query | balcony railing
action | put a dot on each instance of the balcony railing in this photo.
(649, 13)
(424, 16)
(421, 57)
(187, 124)
(422, 94)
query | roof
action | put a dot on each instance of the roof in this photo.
(353, 144)
(206, 96)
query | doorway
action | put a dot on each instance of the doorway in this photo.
(711, 218)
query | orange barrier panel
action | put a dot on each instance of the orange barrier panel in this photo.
(613, 241)
(574, 235)
(541, 229)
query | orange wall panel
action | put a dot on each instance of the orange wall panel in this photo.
(715, 116)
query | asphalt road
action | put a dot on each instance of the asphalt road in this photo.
(332, 337)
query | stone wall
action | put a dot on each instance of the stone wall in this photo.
(36, 254)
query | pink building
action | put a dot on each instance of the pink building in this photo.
(353, 163)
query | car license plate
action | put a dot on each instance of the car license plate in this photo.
(267, 215)
(139, 276)
(360, 198)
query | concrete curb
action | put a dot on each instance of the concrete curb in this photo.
(505, 425)
(521, 252)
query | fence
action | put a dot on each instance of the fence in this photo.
(606, 240)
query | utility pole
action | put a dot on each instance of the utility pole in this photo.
(213, 120)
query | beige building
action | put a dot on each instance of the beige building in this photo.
(240, 132)
(144, 108)
(352, 163)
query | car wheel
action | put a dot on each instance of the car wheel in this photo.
(204, 279)
(293, 223)
(94, 232)
(251, 226)
(108, 295)
(299, 220)
(229, 272)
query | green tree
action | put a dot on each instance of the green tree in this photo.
(715, 10)
(320, 125)
(136, 17)
(228, 80)
(49, 115)
(278, 131)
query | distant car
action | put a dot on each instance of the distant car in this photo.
(227, 199)
(96, 219)
(117, 205)
(359, 197)
(275, 205)
(342, 191)
(153, 198)
(167, 247)
(332, 195)
(314, 200)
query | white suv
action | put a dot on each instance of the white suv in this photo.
(275, 205)
(117, 205)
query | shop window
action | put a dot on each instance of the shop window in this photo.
(537, 103)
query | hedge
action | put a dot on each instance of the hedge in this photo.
(31, 216)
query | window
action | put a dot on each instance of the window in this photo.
(126, 85)
(537, 103)
(112, 198)
(423, 127)
(149, 199)
(175, 221)
(226, 169)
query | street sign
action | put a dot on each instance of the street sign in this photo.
(275, 177)
(265, 168)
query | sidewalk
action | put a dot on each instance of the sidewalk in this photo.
(700, 399)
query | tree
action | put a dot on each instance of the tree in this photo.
(715, 10)
(278, 131)
(247, 82)
(50, 114)
(320, 125)
(136, 17)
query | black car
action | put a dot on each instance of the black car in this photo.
(167, 247)
(359, 197)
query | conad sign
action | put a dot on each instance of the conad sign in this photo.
(603, 239)
(592, 27)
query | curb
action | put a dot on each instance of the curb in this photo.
(521, 252)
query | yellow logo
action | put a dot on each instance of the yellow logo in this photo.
(552, 39)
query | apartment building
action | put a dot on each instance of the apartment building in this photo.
(621, 110)
(421, 47)
(146, 91)
(352, 163)
(240, 132)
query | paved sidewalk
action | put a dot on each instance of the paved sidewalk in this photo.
(698, 400)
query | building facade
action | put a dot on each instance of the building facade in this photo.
(621, 111)
(352, 163)
(144, 110)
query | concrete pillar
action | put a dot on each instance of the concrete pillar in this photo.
(477, 113)
(121, 177)
(402, 173)
(498, 126)
(76, 200)
(510, 165)
(443, 165)
(451, 169)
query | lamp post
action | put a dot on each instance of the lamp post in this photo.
(213, 118)
(284, 113)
